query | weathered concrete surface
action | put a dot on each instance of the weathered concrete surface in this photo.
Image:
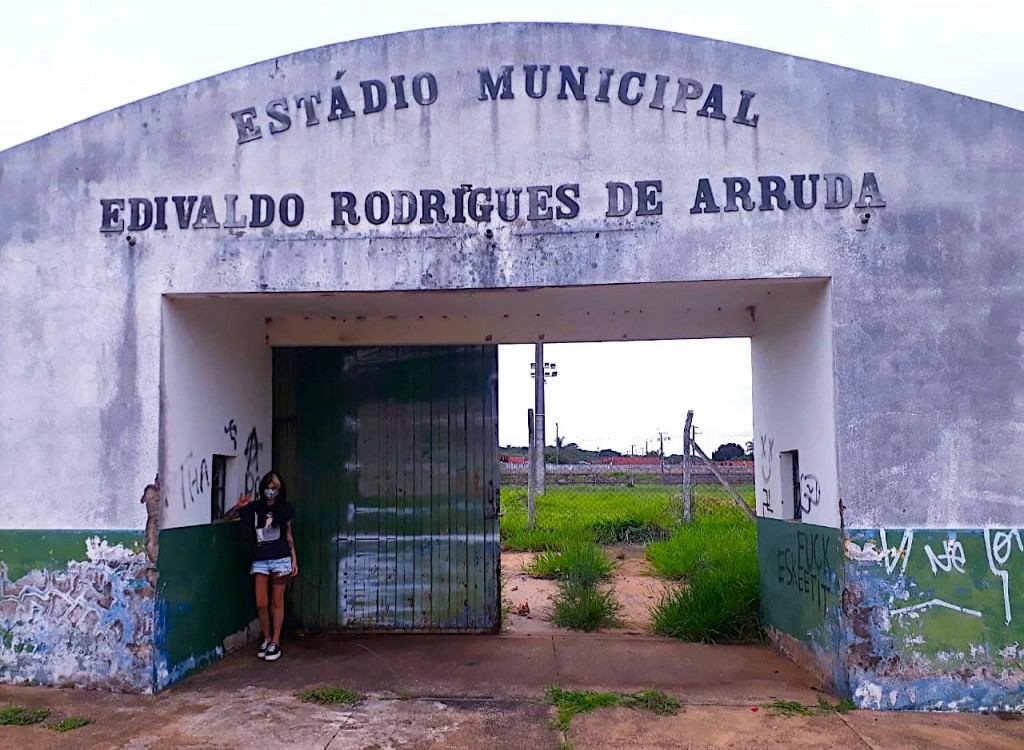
(700, 727)
(923, 290)
(894, 372)
(77, 609)
(464, 692)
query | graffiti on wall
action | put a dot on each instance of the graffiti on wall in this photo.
(253, 447)
(807, 569)
(999, 546)
(765, 463)
(928, 606)
(946, 556)
(810, 493)
(195, 479)
(194, 473)
(231, 430)
(89, 624)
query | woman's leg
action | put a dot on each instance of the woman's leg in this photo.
(278, 584)
(262, 603)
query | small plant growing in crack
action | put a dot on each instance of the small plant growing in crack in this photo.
(568, 703)
(330, 696)
(70, 723)
(12, 715)
(794, 708)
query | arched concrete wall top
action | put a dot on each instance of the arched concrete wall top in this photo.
(915, 219)
(750, 114)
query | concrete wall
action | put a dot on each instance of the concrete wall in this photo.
(920, 247)
(794, 406)
(217, 400)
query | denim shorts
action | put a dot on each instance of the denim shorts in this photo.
(281, 566)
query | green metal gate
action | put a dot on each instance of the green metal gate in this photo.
(390, 457)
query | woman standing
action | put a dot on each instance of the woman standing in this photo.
(267, 523)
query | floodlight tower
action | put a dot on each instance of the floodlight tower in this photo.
(536, 484)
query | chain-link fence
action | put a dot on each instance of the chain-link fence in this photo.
(619, 500)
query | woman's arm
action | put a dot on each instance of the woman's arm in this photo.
(232, 513)
(291, 546)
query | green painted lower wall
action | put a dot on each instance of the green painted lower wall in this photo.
(205, 597)
(895, 618)
(801, 581)
(935, 618)
(900, 618)
(77, 609)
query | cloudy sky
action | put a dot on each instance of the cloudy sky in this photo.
(63, 61)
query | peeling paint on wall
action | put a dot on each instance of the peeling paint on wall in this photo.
(77, 622)
(910, 619)
(930, 618)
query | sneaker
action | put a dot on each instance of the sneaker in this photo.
(262, 653)
(273, 652)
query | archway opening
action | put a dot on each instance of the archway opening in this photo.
(381, 410)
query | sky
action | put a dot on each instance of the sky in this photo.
(63, 61)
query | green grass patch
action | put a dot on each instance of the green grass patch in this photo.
(788, 708)
(708, 497)
(12, 715)
(629, 531)
(580, 561)
(652, 700)
(330, 696)
(606, 513)
(713, 608)
(584, 607)
(844, 706)
(715, 541)
(569, 703)
(825, 706)
(69, 724)
(715, 559)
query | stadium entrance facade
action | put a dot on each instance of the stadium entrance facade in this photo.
(310, 261)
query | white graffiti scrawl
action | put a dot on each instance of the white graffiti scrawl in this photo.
(998, 546)
(897, 556)
(952, 558)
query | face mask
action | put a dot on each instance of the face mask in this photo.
(270, 493)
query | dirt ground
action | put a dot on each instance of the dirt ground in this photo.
(527, 600)
(455, 692)
(436, 692)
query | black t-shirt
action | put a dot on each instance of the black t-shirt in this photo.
(265, 527)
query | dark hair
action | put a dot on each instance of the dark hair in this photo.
(282, 493)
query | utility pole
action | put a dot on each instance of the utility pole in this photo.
(531, 489)
(537, 467)
(661, 448)
(558, 445)
(687, 478)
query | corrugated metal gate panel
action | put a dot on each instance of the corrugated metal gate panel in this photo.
(390, 454)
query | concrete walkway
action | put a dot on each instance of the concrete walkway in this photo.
(487, 692)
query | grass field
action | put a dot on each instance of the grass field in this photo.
(712, 560)
(606, 513)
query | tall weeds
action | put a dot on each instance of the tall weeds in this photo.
(579, 567)
(714, 559)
